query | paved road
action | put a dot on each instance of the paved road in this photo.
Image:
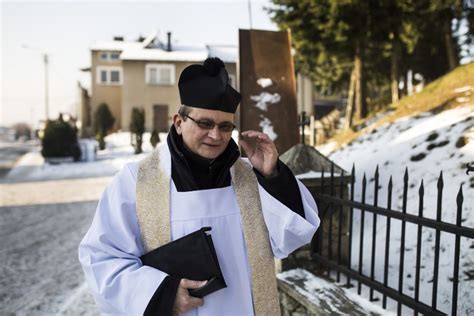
(39, 272)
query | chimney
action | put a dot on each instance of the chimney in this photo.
(168, 48)
(118, 38)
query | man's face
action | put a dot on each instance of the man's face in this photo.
(206, 143)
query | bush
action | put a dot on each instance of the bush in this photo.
(103, 122)
(137, 128)
(60, 140)
(154, 138)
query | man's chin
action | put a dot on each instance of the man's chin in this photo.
(210, 153)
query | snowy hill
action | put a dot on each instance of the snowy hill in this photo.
(424, 144)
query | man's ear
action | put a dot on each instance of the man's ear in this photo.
(177, 121)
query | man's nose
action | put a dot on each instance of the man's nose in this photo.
(215, 133)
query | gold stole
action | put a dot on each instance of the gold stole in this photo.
(153, 213)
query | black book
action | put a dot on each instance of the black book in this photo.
(190, 257)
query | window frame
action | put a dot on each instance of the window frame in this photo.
(108, 70)
(107, 56)
(158, 67)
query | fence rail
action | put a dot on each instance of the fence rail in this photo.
(339, 207)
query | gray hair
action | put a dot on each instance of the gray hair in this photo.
(184, 110)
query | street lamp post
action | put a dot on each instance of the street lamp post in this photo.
(46, 88)
(46, 80)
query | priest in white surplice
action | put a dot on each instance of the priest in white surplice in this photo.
(256, 207)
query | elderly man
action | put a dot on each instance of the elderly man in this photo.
(256, 208)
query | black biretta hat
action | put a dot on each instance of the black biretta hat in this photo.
(207, 86)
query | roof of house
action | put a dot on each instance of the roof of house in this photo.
(114, 45)
(151, 49)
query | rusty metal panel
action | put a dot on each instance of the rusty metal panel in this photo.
(268, 86)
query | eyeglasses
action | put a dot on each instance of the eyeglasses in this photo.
(224, 127)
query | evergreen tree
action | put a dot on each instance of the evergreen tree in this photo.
(60, 140)
(366, 46)
(103, 122)
(154, 138)
(137, 128)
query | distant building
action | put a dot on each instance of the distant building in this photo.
(143, 74)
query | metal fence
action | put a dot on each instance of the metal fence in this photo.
(339, 203)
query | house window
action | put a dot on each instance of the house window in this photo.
(104, 56)
(115, 76)
(108, 75)
(160, 74)
(114, 56)
(153, 76)
(109, 56)
(103, 76)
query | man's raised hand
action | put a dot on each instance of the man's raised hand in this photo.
(263, 155)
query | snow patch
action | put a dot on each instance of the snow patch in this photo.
(463, 89)
(318, 289)
(315, 174)
(267, 128)
(327, 148)
(265, 82)
(264, 99)
(462, 99)
(443, 119)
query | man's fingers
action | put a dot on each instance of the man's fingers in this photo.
(259, 136)
(191, 284)
(195, 301)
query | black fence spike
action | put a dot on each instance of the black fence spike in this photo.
(390, 184)
(421, 190)
(440, 183)
(457, 252)
(460, 197)
(377, 171)
(353, 174)
(405, 176)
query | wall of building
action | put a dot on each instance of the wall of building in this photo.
(109, 94)
(137, 93)
(84, 115)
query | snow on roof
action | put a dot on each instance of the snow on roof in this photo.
(146, 51)
(115, 45)
(159, 54)
(149, 39)
(227, 53)
(195, 53)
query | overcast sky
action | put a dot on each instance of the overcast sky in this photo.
(66, 29)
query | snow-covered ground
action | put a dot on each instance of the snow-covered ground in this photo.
(118, 151)
(327, 295)
(426, 144)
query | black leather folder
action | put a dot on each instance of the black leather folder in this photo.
(191, 257)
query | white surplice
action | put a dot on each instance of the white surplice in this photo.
(110, 251)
